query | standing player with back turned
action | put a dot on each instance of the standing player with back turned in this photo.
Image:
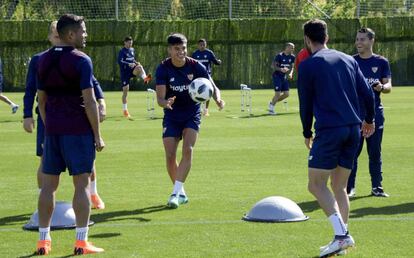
(330, 87)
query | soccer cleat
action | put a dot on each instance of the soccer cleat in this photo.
(148, 78)
(97, 202)
(379, 192)
(338, 246)
(271, 109)
(14, 109)
(85, 247)
(173, 202)
(182, 199)
(127, 115)
(352, 193)
(43, 247)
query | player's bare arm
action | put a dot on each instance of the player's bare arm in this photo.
(42, 98)
(91, 109)
(162, 102)
(28, 124)
(217, 96)
(102, 110)
(385, 86)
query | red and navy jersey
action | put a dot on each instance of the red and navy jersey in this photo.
(63, 72)
(330, 88)
(206, 57)
(374, 69)
(177, 81)
(283, 60)
(126, 56)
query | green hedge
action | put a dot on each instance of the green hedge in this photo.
(246, 46)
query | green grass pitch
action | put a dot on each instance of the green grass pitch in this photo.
(238, 160)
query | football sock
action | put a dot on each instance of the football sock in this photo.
(44, 233)
(178, 186)
(125, 106)
(93, 188)
(82, 234)
(143, 75)
(183, 191)
(338, 224)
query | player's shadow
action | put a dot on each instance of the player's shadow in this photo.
(127, 214)
(105, 235)
(17, 219)
(309, 206)
(267, 114)
(402, 208)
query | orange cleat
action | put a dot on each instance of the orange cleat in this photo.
(127, 115)
(85, 247)
(97, 202)
(148, 78)
(43, 247)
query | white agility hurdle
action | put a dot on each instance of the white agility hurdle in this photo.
(246, 99)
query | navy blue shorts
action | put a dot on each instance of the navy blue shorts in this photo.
(334, 147)
(126, 77)
(174, 128)
(74, 152)
(40, 136)
(280, 83)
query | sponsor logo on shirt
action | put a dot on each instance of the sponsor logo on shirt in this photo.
(179, 88)
(372, 81)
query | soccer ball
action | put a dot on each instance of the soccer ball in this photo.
(200, 90)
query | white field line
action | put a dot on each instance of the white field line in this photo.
(215, 222)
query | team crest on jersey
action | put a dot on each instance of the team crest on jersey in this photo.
(374, 69)
(172, 79)
(190, 76)
(205, 56)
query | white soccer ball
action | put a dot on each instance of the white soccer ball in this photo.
(200, 90)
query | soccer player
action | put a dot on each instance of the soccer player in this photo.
(68, 108)
(207, 58)
(28, 121)
(330, 87)
(283, 66)
(181, 114)
(376, 70)
(129, 68)
(14, 107)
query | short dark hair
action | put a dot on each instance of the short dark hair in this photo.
(68, 22)
(176, 39)
(368, 31)
(202, 41)
(316, 30)
(127, 38)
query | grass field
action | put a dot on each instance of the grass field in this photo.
(237, 161)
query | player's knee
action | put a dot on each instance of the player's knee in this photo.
(188, 151)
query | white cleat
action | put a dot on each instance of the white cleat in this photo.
(352, 193)
(338, 246)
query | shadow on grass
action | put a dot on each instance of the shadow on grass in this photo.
(105, 235)
(14, 219)
(402, 208)
(260, 115)
(311, 206)
(125, 214)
